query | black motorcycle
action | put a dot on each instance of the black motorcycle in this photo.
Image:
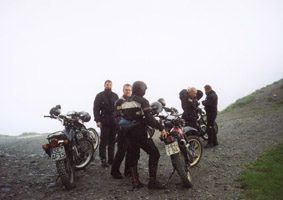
(202, 124)
(71, 148)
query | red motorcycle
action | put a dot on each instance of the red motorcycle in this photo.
(182, 143)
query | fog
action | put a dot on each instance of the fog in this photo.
(61, 52)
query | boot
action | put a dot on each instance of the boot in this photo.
(135, 176)
(116, 174)
(210, 137)
(153, 183)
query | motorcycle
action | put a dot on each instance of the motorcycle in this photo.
(202, 123)
(182, 144)
(71, 148)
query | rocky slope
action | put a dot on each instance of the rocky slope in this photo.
(244, 133)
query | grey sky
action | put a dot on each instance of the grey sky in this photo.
(61, 52)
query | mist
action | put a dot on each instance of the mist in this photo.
(61, 52)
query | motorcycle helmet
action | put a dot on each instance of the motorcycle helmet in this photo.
(84, 116)
(162, 101)
(55, 111)
(156, 107)
(139, 88)
(199, 94)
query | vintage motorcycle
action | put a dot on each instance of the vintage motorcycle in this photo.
(71, 148)
(202, 123)
(182, 143)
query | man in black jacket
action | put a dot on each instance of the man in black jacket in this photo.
(103, 110)
(137, 110)
(210, 106)
(189, 105)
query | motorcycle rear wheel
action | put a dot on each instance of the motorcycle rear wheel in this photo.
(85, 151)
(179, 163)
(66, 173)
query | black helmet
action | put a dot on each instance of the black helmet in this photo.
(156, 107)
(55, 111)
(162, 101)
(199, 94)
(139, 88)
(84, 116)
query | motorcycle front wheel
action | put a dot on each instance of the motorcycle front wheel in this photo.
(94, 137)
(179, 164)
(194, 149)
(66, 173)
(84, 153)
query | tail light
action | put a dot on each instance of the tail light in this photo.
(54, 142)
(169, 139)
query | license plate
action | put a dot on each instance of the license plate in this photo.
(79, 136)
(58, 153)
(172, 148)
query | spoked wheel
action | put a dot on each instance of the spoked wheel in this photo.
(84, 153)
(179, 163)
(194, 150)
(94, 137)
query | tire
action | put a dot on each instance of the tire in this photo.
(85, 151)
(179, 163)
(93, 135)
(66, 173)
(195, 148)
(215, 128)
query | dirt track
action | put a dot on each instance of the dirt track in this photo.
(26, 173)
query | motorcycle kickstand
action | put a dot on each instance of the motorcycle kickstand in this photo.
(170, 176)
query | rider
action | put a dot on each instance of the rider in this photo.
(123, 142)
(103, 109)
(138, 113)
(189, 105)
(210, 106)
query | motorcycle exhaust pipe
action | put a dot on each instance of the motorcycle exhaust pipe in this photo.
(183, 143)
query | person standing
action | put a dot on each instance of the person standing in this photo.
(210, 106)
(189, 104)
(103, 110)
(136, 110)
(123, 142)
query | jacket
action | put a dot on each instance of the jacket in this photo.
(211, 101)
(142, 110)
(103, 107)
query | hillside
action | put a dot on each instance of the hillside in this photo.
(245, 131)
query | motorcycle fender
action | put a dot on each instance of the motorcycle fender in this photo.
(188, 128)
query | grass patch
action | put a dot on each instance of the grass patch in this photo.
(263, 179)
(29, 134)
(240, 103)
